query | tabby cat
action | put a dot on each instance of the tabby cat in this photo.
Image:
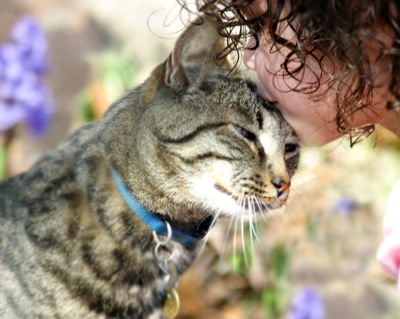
(104, 225)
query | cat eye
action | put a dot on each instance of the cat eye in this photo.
(291, 147)
(245, 133)
(291, 150)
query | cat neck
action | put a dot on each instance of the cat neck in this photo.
(188, 234)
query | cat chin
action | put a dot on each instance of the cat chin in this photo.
(251, 210)
(251, 214)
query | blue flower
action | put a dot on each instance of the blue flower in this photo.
(307, 304)
(24, 95)
(345, 205)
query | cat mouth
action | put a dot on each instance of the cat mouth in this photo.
(253, 204)
(258, 206)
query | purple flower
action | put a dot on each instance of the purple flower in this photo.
(32, 43)
(345, 205)
(24, 95)
(307, 304)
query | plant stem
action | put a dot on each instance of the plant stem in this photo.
(3, 158)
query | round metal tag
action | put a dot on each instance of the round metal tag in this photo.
(171, 304)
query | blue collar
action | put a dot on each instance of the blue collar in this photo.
(157, 222)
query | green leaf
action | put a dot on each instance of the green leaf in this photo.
(3, 161)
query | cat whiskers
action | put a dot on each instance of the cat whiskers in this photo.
(253, 225)
(252, 222)
(247, 214)
(236, 217)
(243, 216)
(253, 201)
(233, 217)
(249, 208)
(214, 220)
(261, 206)
(246, 207)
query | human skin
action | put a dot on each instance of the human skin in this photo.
(312, 115)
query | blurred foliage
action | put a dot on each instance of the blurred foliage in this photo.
(3, 160)
(114, 75)
(276, 294)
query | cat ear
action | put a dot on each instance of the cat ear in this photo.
(197, 52)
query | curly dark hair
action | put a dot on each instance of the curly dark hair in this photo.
(334, 30)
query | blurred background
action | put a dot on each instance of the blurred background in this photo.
(315, 260)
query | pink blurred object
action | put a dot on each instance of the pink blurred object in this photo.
(389, 252)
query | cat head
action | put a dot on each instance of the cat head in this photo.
(206, 140)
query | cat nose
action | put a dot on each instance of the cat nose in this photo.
(281, 185)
